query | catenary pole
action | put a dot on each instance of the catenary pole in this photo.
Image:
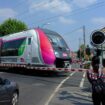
(84, 38)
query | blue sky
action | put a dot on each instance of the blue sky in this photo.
(66, 17)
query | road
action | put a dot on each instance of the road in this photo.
(76, 90)
(73, 89)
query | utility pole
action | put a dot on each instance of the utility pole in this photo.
(84, 36)
(80, 46)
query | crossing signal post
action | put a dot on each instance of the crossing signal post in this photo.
(98, 40)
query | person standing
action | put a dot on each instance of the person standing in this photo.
(98, 96)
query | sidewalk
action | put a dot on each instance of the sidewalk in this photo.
(72, 96)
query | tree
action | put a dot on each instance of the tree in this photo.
(12, 26)
(80, 52)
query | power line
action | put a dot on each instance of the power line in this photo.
(77, 10)
(74, 11)
(54, 17)
(23, 13)
(73, 30)
(26, 12)
(40, 5)
(99, 5)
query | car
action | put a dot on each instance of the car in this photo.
(9, 92)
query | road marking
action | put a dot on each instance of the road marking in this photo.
(58, 87)
(83, 80)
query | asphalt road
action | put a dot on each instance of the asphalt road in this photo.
(76, 90)
(51, 90)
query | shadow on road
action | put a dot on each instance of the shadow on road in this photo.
(39, 73)
(75, 98)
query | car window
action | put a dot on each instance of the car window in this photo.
(6, 81)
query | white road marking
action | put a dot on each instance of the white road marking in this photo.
(82, 81)
(57, 88)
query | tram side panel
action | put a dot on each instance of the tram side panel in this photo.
(21, 48)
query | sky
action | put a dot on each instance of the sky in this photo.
(67, 17)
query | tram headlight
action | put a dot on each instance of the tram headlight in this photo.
(57, 54)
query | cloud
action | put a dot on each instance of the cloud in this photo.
(84, 3)
(66, 21)
(99, 21)
(6, 13)
(51, 5)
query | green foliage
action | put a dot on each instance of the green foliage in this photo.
(82, 47)
(12, 26)
(80, 52)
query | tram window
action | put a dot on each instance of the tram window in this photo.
(12, 48)
(29, 41)
(57, 41)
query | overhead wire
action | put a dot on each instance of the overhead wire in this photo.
(25, 11)
(76, 29)
(38, 6)
(44, 3)
(75, 11)
(56, 16)
(23, 1)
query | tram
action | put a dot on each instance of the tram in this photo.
(37, 47)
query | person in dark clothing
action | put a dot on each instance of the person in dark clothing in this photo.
(97, 97)
(96, 61)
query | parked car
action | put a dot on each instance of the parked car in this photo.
(9, 92)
